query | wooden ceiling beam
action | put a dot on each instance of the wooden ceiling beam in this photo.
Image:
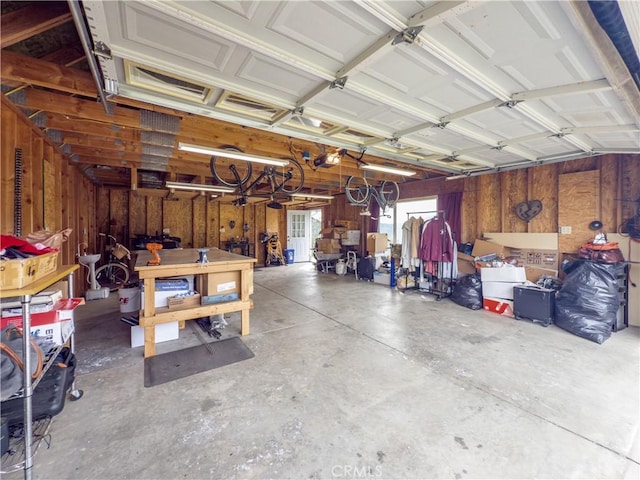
(67, 56)
(31, 20)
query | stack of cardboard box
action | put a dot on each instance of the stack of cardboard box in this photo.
(498, 278)
(536, 262)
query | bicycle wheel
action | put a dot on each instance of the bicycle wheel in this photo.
(294, 183)
(389, 193)
(357, 190)
(112, 275)
(223, 171)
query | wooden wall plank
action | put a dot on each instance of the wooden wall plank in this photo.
(629, 190)
(213, 224)
(137, 216)
(261, 227)
(578, 205)
(489, 204)
(469, 211)
(513, 187)
(199, 222)
(176, 217)
(154, 216)
(543, 185)
(51, 190)
(24, 137)
(608, 166)
(119, 215)
(7, 171)
(37, 183)
(57, 195)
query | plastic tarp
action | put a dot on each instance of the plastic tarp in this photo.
(588, 302)
(468, 292)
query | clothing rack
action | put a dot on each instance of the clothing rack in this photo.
(443, 285)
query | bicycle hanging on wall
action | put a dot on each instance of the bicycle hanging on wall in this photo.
(272, 182)
(359, 192)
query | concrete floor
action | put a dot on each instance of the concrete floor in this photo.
(354, 380)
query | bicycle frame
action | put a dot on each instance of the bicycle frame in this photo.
(270, 173)
(386, 194)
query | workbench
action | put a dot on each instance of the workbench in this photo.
(223, 275)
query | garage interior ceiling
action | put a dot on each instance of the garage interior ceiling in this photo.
(453, 87)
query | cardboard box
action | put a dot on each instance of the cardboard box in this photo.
(348, 224)
(351, 237)
(56, 325)
(506, 273)
(224, 283)
(534, 273)
(40, 302)
(19, 273)
(377, 243)
(167, 288)
(466, 265)
(482, 248)
(161, 298)
(327, 245)
(535, 258)
(164, 333)
(182, 302)
(498, 305)
(382, 278)
(502, 290)
(63, 286)
(333, 232)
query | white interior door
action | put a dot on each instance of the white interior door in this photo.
(299, 234)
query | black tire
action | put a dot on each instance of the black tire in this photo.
(357, 190)
(112, 275)
(224, 173)
(289, 185)
(389, 192)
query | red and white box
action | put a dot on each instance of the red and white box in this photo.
(498, 305)
(56, 325)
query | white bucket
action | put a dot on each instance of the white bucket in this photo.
(341, 267)
(129, 299)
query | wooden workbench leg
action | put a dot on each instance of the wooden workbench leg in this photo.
(149, 341)
(244, 322)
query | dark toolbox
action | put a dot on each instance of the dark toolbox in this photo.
(535, 303)
(48, 397)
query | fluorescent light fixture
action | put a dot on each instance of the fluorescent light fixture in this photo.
(220, 152)
(198, 187)
(311, 195)
(395, 171)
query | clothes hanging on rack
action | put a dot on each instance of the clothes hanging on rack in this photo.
(411, 233)
(437, 248)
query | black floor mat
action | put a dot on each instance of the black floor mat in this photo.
(170, 366)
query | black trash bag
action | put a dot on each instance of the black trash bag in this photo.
(468, 292)
(587, 304)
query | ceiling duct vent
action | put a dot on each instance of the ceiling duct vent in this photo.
(157, 150)
(152, 162)
(39, 119)
(18, 97)
(158, 138)
(54, 135)
(159, 122)
(148, 179)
